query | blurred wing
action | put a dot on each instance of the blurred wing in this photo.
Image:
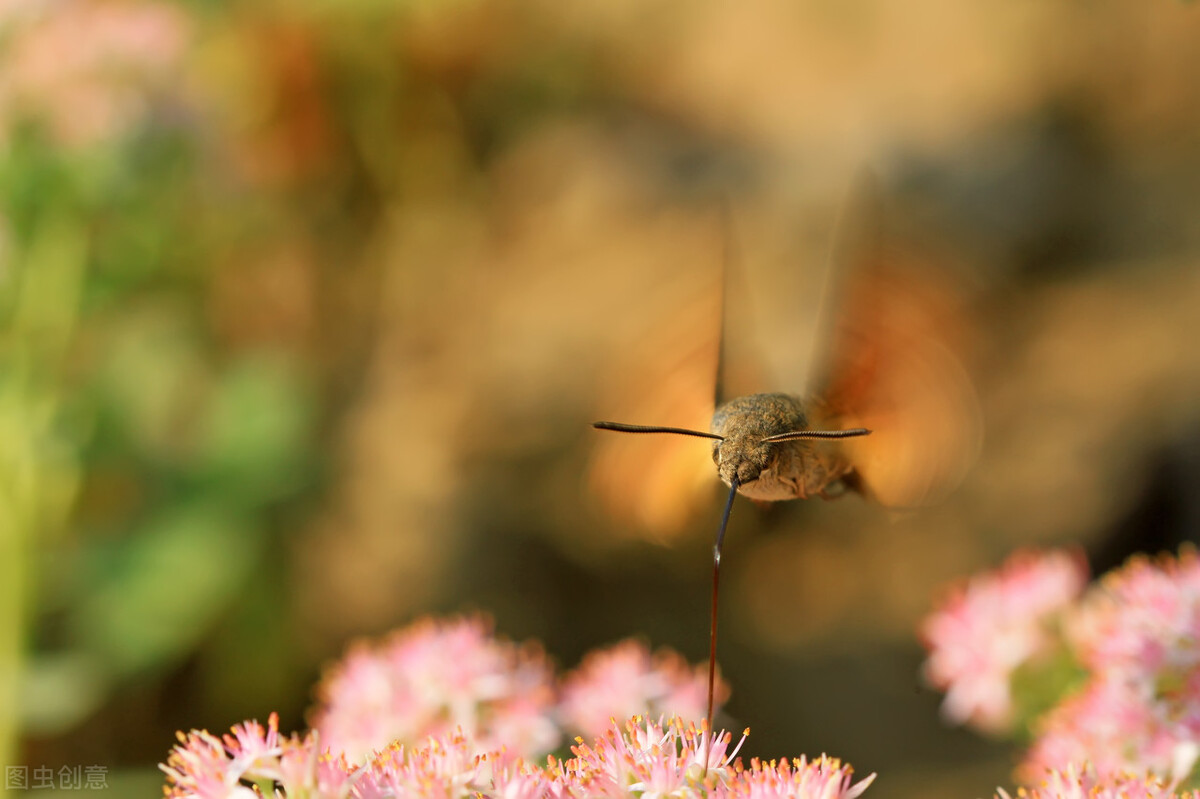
(654, 482)
(775, 273)
(739, 371)
(899, 337)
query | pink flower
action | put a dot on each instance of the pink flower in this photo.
(652, 760)
(823, 778)
(988, 626)
(642, 759)
(445, 766)
(203, 766)
(85, 68)
(1072, 782)
(390, 707)
(1143, 620)
(1139, 634)
(646, 758)
(1111, 725)
(431, 679)
(625, 680)
(199, 767)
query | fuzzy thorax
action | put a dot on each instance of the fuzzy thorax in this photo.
(775, 471)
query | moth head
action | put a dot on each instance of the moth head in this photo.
(743, 456)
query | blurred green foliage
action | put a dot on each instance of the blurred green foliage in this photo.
(120, 407)
(1039, 686)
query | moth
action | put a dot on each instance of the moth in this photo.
(887, 411)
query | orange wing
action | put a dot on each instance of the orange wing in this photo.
(899, 337)
(654, 482)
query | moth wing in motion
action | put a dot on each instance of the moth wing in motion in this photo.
(898, 340)
(890, 340)
(740, 368)
(701, 351)
(654, 483)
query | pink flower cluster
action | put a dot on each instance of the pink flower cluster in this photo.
(626, 680)
(1138, 635)
(1134, 640)
(642, 759)
(203, 766)
(85, 68)
(987, 627)
(1085, 783)
(443, 677)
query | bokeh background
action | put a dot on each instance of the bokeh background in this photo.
(307, 307)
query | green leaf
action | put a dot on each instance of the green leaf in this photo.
(255, 441)
(166, 587)
(1039, 685)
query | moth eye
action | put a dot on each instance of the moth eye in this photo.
(716, 454)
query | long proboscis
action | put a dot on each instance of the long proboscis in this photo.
(712, 627)
(794, 435)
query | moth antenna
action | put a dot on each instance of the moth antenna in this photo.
(639, 428)
(712, 630)
(796, 435)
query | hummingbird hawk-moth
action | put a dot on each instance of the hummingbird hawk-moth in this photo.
(887, 411)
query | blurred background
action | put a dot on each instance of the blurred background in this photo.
(307, 308)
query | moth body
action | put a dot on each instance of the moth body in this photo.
(773, 471)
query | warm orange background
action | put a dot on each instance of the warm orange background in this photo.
(345, 285)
